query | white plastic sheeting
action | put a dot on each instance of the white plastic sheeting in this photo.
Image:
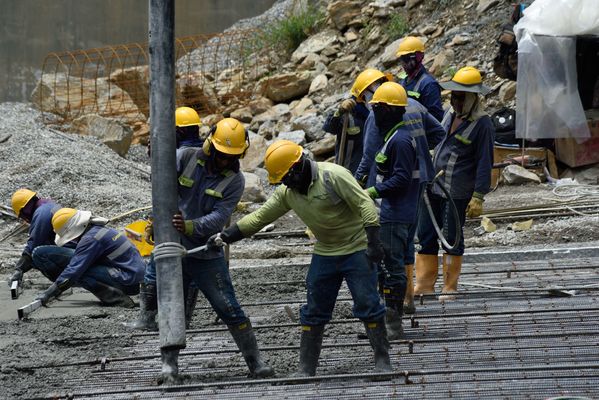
(548, 103)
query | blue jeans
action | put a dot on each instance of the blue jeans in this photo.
(52, 260)
(398, 240)
(445, 219)
(213, 279)
(324, 279)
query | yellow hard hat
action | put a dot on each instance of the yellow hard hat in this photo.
(280, 157)
(20, 198)
(365, 79)
(230, 137)
(390, 93)
(467, 79)
(69, 224)
(186, 116)
(409, 45)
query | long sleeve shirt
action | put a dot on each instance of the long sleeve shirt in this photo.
(466, 156)
(40, 228)
(336, 210)
(100, 245)
(422, 126)
(397, 166)
(206, 198)
(424, 88)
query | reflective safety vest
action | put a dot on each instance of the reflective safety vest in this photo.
(381, 157)
(186, 177)
(415, 92)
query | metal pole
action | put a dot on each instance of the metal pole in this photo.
(164, 181)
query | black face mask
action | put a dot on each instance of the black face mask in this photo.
(386, 117)
(299, 176)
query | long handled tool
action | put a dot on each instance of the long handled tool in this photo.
(15, 290)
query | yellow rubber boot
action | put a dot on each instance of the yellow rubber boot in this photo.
(427, 269)
(452, 266)
(408, 304)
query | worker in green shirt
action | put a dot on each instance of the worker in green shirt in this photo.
(345, 222)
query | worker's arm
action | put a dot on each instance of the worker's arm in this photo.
(403, 154)
(87, 252)
(372, 142)
(275, 207)
(485, 137)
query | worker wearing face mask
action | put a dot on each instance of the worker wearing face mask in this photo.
(419, 84)
(466, 157)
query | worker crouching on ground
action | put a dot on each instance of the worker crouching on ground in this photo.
(104, 262)
(210, 186)
(38, 212)
(398, 183)
(344, 220)
(466, 156)
(419, 84)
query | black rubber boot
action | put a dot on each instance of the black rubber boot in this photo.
(310, 346)
(148, 308)
(243, 334)
(377, 334)
(191, 299)
(111, 296)
(394, 298)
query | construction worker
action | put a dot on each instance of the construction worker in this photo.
(104, 261)
(427, 132)
(419, 84)
(187, 129)
(38, 212)
(466, 157)
(398, 185)
(210, 186)
(350, 141)
(344, 220)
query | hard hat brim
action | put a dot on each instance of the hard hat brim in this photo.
(233, 151)
(82, 219)
(458, 87)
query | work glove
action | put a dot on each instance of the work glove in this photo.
(372, 192)
(475, 206)
(53, 291)
(149, 232)
(375, 251)
(229, 235)
(347, 106)
(24, 264)
(182, 225)
(362, 181)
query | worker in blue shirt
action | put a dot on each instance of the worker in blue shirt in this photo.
(466, 157)
(104, 262)
(38, 212)
(419, 84)
(397, 185)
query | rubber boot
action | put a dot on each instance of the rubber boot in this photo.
(310, 346)
(191, 300)
(394, 298)
(408, 305)
(427, 269)
(452, 266)
(148, 308)
(111, 296)
(377, 334)
(243, 334)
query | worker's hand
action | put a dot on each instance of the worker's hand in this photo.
(215, 241)
(347, 105)
(183, 226)
(149, 233)
(229, 235)
(375, 251)
(371, 191)
(362, 180)
(48, 294)
(16, 276)
(475, 206)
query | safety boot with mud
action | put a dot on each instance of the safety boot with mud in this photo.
(111, 296)
(452, 266)
(191, 299)
(148, 308)
(310, 346)
(377, 334)
(394, 298)
(427, 269)
(408, 305)
(243, 334)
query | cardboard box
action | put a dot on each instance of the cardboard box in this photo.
(504, 153)
(575, 154)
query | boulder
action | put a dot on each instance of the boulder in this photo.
(134, 81)
(285, 86)
(243, 114)
(343, 65)
(299, 107)
(342, 12)
(413, 3)
(515, 175)
(442, 61)
(112, 132)
(297, 136)
(315, 44)
(484, 5)
(389, 57)
(260, 105)
(319, 83)
(322, 147)
(507, 91)
(254, 157)
(253, 191)
(311, 124)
